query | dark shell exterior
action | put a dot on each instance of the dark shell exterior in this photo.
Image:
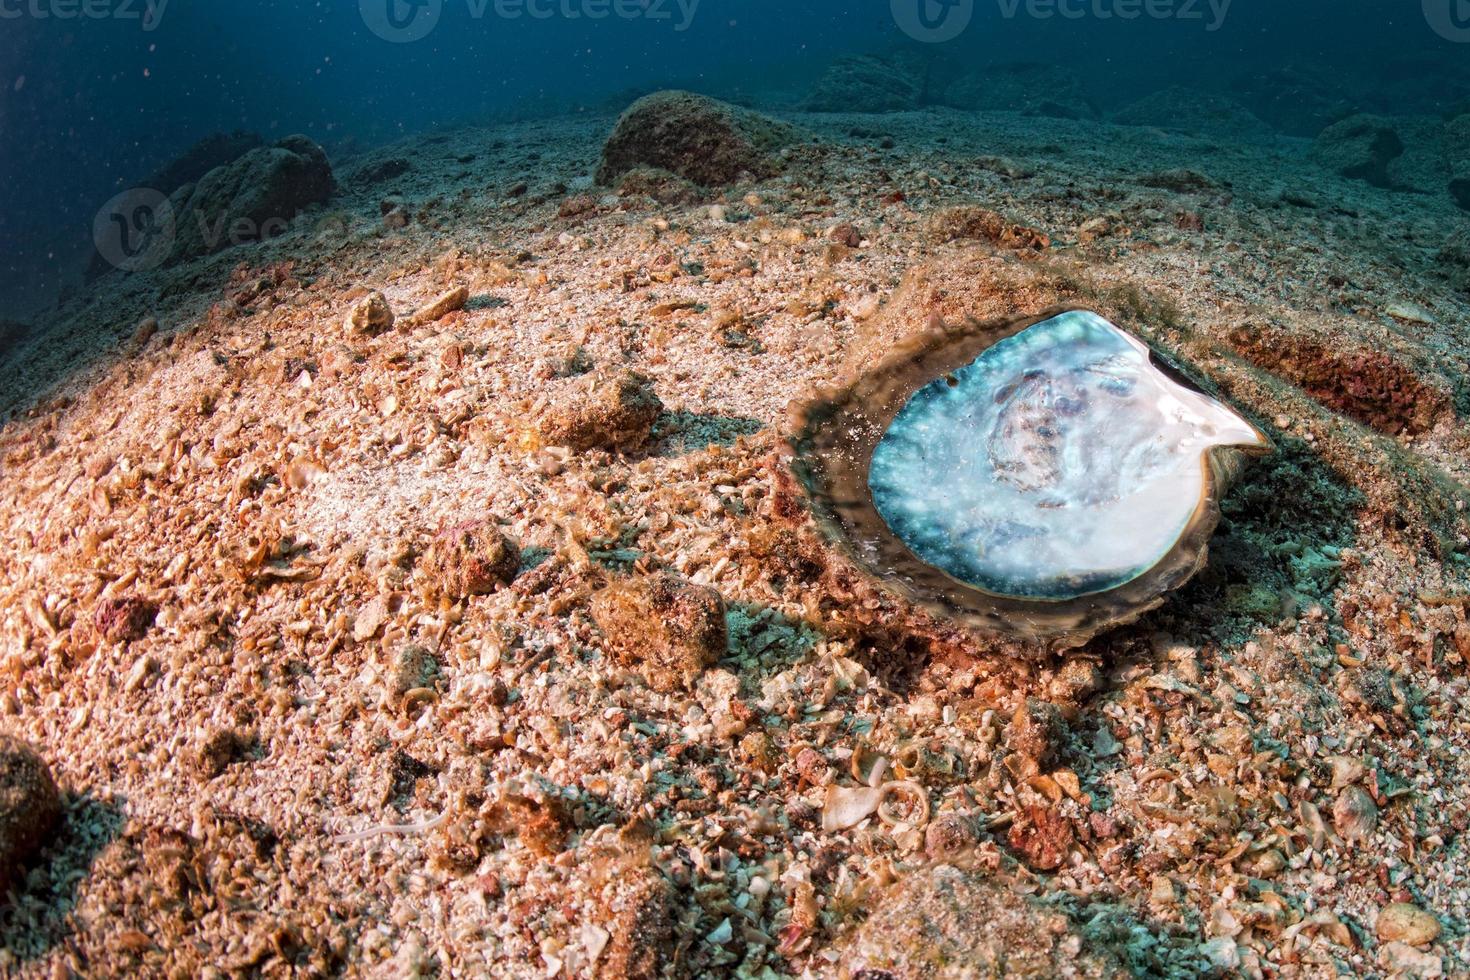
(832, 447)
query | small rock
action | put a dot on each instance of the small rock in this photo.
(145, 332)
(1354, 815)
(413, 668)
(1076, 681)
(1042, 837)
(370, 316)
(142, 669)
(671, 629)
(471, 559)
(336, 361)
(380, 171)
(1403, 960)
(698, 138)
(220, 749)
(442, 306)
(370, 618)
(947, 922)
(1223, 952)
(1161, 893)
(949, 836)
(1360, 147)
(846, 234)
(1037, 729)
(542, 825)
(606, 409)
(1346, 770)
(30, 806)
(576, 206)
(1405, 923)
(972, 222)
(452, 357)
(396, 218)
(1092, 229)
(641, 919)
(1180, 181)
(123, 620)
(1410, 313)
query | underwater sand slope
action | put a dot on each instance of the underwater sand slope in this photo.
(341, 743)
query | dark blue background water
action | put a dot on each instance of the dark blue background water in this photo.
(91, 106)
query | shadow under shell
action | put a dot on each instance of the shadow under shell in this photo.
(1044, 477)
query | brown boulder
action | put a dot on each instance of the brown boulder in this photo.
(699, 138)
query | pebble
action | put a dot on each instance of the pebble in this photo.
(949, 836)
(1410, 313)
(471, 559)
(846, 234)
(1036, 730)
(607, 409)
(1405, 923)
(413, 668)
(123, 620)
(672, 629)
(1403, 960)
(370, 316)
(1354, 815)
(442, 306)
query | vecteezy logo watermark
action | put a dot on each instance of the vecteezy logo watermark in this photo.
(148, 13)
(401, 21)
(135, 230)
(944, 20)
(1211, 13)
(933, 21)
(1449, 18)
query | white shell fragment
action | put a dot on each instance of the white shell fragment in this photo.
(1060, 462)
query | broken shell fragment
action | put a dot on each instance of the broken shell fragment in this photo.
(1046, 477)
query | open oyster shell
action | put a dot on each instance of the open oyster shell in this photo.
(1045, 477)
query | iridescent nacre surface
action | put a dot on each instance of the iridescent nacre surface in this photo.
(1047, 477)
(1058, 463)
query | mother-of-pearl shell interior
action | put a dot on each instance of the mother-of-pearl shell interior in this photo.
(1059, 463)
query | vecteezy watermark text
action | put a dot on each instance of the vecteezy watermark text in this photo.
(401, 21)
(148, 13)
(943, 20)
(1211, 13)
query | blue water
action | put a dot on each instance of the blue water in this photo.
(97, 94)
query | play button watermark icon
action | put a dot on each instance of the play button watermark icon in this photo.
(933, 21)
(401, 21)
(1449, 18)
(135, 230)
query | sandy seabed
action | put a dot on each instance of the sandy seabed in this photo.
(312, 763)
